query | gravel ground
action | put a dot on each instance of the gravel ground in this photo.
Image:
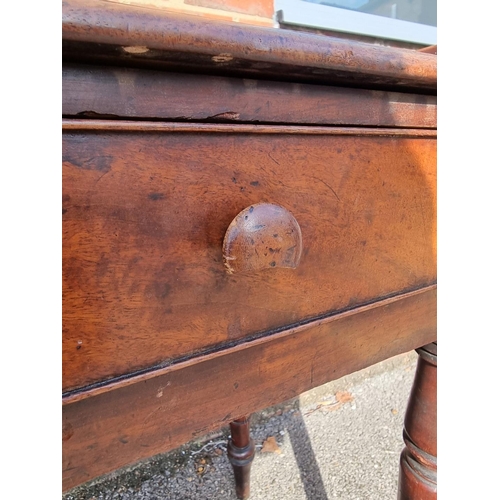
(341, 440)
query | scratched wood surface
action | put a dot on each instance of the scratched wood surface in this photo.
(145, 214)
(117, 428)
(112, 33)
(94, 91)
(149, 313)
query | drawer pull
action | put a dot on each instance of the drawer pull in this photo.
(262, 236)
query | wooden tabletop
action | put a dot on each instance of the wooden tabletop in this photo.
(139, 36)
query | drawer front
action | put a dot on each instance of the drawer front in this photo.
(146, 208)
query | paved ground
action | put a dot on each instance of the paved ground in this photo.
(339, 441)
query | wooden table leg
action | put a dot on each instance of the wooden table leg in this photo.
(241, 450)
(418, 465)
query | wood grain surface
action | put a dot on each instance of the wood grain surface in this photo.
(144, 217)
(120, 427)
(160, 344)
(94, 125)
(107, 32)
(110, 92)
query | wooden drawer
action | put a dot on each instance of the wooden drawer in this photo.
(146, 207)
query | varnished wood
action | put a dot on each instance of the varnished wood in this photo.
(215, 128)
(350, 36)
(95, 91)
(418, 464)
(131, 379)
(101, 31)
(262, 236)
(155, 415)
(241, 452)
(432, 49)
(160, 344)
(145, 215)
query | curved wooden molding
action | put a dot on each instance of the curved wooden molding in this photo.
(262, 236)
(96, 29)
(230, 128)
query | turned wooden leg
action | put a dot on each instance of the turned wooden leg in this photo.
(418, 465)
(241, 450)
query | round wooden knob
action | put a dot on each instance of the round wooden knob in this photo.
(262, 236)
